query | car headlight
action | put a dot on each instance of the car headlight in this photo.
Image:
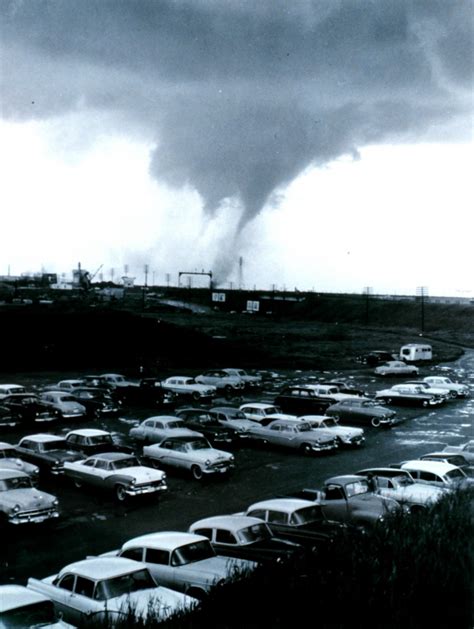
(55, 502)
(231, 459)
(16, 508)
(133, 481)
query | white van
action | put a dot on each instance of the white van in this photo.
(415, 351)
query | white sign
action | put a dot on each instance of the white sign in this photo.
(253, 306)
(218, 296)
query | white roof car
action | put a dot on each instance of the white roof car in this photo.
(329, 391)
(231, 523)
(21, 607)
(187, 385)
(256, 411)
(437, 473)
(346, 435)
(9, 389)
(443, 382)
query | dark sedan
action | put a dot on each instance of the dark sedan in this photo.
(30, 408)
(361, 411)
(301, 401)
(200, 420)
(90, 441)
(97, 402)
(48, 452)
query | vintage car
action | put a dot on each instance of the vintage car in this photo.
(117, 381)
(107, 589)
(362, 411)
(428, 388)
(298, 520)
(250, 382)
(247, 538)
(9, 418)
(443, 382)
(184, 561)
(21, 607)
(9, 460)
(345, 435)
(9, 389)
(222, 381)
(438, 473)
(98, 402)
(21, 503)
(190, 453)
(90, 441)
(234, 419)
(328, 392)
(346, 387)
(300, 400)
(396, 368)
(48, 452)
(298, 435)
(447, 457)
(349, 499)
(399, 485)
(200, 420)
(68, 385)
(149, 393)
(376, 357)
(121, 473)
(65, 403)
(466, 449)
(30, 408)
(408, 395)
(155, 429)
(188, 387)
(257, 411)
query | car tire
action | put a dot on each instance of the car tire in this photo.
(197, 593)
(388, 400)
(375, 422)
(196, 396)
(120, 493)
(425, 403)
(228, 389)
(197, 472)
(306, 449)
(77, 483)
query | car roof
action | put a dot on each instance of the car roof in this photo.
(228, 522)
(88, 432)
(164, 540)
(43, 438)
(286, 505)
(9, 386)
(225, 409)
(257, 405)
(4, 445)
(112, 456)
(6, 474)
(389, 471)
(102, 567)
(15, 596)
(71, 381)
(439, 467)
(343, 479)
(164, 418)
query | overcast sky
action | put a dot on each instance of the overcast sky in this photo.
(327, 142)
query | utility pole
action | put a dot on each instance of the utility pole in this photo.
(367, 292)
(422, 292)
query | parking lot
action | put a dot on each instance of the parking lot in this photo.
(93, 523)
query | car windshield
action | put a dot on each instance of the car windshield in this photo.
(8, 453)
(303, 427)
(329, 423)
(130, 461)
(57, 444)
(197, 444)
(368, 403)
(18, 482)
(35, 615)
(254, 533)
(124, 584)
(271, 410)
(403, 481)
(236, 415)
(197, 551)
(66, 398)
(358, 487)
(306, 516)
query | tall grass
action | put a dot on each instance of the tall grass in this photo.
(412, 571)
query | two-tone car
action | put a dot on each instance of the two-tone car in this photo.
(234, 419)
(117, 472)
(9, 460)
(362, 411)
(90, 441)
(350, 436)
(296, 435)
(9, 389)
(247, 538)
(409, 395)
(204, 422)
(184, 561)
(155, 429)
(257, 411)
(193, 454)
(185, 386)
(48, 452)
(109, 590)
(21, 607)
(21, 503)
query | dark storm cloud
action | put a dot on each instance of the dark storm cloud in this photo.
(241, 98)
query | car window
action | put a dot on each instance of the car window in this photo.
(157, 556)
(333, 493)
(204, 532)
(132, 553)
(67, 582)
(277, 517)
(101, 464)
(84, 587)
(428, 476)
(225, 537)
(89, 463)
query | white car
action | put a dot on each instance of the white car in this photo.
(190, 453)
(21, 607)
(109, 588)
(249, 380)
(9, 389)
(62, 401)
(257, 411)
(116, 380)
(184, 385)
(444, 393)
(9, 460)
(409, 395)
(69, 385)
(155, 429)
(184, 561)
(221, 380)
(466, 449)
(345, 435)
(328, 391)
(21, 503)
(437, 473)
(443, 382)
(396, 368)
